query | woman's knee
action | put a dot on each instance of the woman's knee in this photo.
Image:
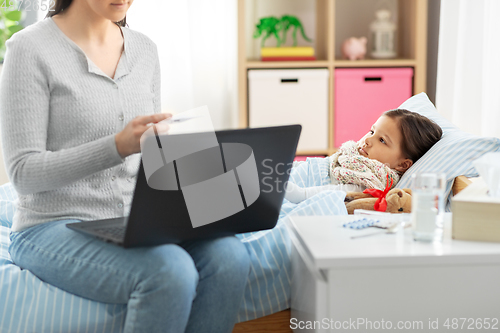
(234, 258)
(168, 267)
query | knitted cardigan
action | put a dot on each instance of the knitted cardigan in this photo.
(348, 166)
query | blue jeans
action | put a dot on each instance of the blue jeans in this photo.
(196, 286)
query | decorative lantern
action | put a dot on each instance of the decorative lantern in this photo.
(384, 35)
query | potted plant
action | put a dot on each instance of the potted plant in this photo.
(9, 25)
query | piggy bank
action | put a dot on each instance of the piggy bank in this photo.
(354, 48)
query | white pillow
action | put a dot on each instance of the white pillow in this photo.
(453, 154)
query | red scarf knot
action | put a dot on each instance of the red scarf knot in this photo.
(381, 204)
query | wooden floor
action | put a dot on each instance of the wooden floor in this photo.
(276, 323)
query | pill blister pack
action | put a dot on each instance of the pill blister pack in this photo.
(368, 222)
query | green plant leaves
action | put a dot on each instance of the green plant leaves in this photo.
(14, 15)
(9, 25)
(14, 28)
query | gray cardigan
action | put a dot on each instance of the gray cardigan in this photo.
(59, 114)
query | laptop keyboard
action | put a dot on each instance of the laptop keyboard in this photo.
(112, 232)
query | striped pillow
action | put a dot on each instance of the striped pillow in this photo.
(453, 154)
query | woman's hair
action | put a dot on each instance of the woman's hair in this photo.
(418, 133)
(63, 4)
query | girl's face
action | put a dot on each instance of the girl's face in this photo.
(383, 143)
(113, 10)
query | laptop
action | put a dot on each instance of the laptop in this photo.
(167, 216)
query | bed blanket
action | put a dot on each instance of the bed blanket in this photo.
(268, 287)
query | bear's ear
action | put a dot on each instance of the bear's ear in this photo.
(407, 190)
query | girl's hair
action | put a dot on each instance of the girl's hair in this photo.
(61, 5)
(418, 133)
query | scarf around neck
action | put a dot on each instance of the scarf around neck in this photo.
(348, 166)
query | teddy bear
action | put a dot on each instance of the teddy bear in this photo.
(396, 201)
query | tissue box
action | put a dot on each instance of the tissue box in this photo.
(476, 215)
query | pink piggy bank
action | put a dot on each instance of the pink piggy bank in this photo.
(354, 48)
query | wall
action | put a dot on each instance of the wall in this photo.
(29, 17)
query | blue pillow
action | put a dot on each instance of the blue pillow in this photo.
(8, 196)
(453, 154)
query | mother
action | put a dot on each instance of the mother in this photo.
(78, 89)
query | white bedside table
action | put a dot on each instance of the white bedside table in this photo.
(390, 280)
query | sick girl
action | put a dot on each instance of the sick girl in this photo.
(394, 143)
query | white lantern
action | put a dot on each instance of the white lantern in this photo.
(384, 35)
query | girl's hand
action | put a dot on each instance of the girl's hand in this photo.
(128, 140)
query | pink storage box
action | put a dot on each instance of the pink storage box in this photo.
(303, 158)
(363, 94)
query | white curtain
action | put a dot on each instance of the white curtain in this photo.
(197, 45)
(468, 78)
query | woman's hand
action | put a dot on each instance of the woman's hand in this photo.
(128, 140)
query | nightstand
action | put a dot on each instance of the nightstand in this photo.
(389, 281)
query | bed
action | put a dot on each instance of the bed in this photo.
(28, 304)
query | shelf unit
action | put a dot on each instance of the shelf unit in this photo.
(334, 21)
